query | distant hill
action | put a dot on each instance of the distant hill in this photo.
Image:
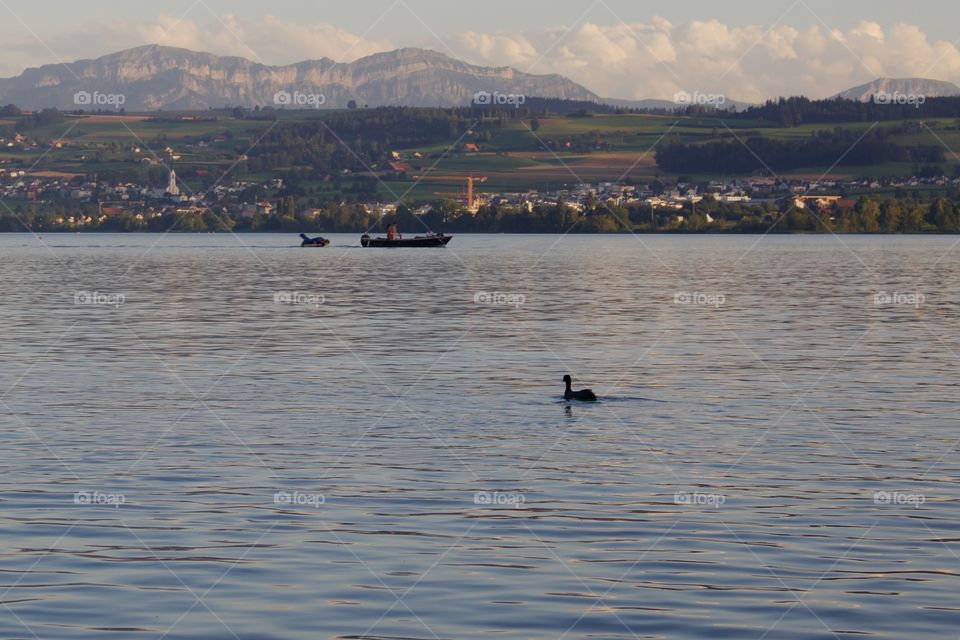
(901, 86)
(653, 104)
(154, 77)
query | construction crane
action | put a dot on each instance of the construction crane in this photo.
(469, 196)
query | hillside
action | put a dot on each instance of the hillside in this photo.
(901, 86)
(154, 77)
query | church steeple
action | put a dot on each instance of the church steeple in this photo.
(172, 188)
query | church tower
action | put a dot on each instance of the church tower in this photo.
(172, 188)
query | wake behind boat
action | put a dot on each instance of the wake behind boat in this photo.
(431, 240)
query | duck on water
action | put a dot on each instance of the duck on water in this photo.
(583, 395)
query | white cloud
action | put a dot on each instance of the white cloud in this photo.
(263, 39)
(865, 30)
(654, 59)
(489, 46)
(752, 62)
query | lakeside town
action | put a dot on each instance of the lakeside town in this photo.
(455, 170)
(74, 197)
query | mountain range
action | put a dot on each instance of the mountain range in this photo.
(153, 77)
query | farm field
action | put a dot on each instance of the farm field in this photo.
(545, 152)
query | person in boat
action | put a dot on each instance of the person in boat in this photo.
(392, 233)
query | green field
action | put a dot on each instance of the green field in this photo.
(563, 150)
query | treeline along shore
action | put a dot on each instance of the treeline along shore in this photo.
(864, 215)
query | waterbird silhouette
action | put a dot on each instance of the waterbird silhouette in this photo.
(584, 395)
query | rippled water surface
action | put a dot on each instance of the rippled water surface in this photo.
(389, 457)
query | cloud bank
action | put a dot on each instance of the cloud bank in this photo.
(751, 63)
(655, 59)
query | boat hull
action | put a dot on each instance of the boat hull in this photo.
(414, 243)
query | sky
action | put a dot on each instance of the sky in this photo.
(748, 50)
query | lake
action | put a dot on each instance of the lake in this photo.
(207, 436)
